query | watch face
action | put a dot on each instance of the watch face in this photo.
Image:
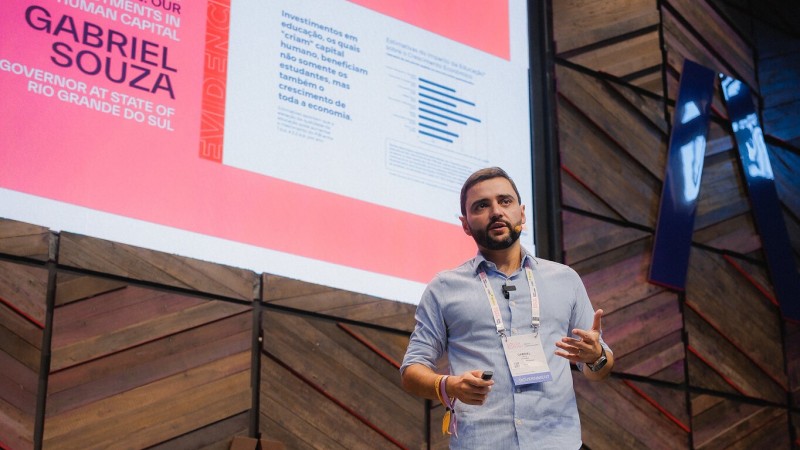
(599, 365)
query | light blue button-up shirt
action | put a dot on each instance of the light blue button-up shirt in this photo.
(454, 316)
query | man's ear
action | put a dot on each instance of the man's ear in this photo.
(523, 214)
(465, 226)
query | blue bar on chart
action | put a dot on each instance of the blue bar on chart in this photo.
(442, 112)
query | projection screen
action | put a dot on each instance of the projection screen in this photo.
(324, 141)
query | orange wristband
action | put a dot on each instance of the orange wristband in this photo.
(436, 388)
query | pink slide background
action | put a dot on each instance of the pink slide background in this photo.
(480, 24)
(72, 154)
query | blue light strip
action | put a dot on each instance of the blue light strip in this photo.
(673, 237)
(764, 200)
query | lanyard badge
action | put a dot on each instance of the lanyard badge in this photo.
(524, 353)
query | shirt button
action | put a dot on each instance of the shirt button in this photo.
(518, 390)
(513, 303)
(518, 421)
(513, 331)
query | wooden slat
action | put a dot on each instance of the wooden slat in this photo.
(580, 23)
(21, 327)
(623, 412)
(733, 370)
(24, 239)
(18, 348)
(19, 384)
(640, 324)
(141, 264)
(621, 59)
(150, 362)
(662, 359)
(176, 416)
(732, 425)
(681, 44)
(16, 427)
(77, 287)
(614, 117)
(722, 38)
(576, 195)
(220, 388)
(24, 288)
(337, 303)
(737, 234)
(124, 338)
(325, 425)
(216, 436)
(585, 237)
(615, 282)
(307, 347)
(583, 150)
(121, 309)
(720, 295)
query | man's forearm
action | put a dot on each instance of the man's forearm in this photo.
(419, 380)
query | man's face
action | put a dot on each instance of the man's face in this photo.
(494, 216)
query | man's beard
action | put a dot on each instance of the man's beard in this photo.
(483, 239)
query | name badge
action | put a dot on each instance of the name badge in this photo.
(526, 359)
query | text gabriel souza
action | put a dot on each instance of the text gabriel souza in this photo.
(113, 54)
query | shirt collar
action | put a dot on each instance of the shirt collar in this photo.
(480, 262)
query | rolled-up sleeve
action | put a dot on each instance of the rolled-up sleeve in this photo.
(428, 341)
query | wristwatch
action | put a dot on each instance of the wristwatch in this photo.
(600, 363)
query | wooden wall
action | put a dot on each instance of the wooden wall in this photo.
(140, 349)
(104, 345)
(714, 366)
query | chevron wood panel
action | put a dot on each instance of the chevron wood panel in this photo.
(22, 322)
(733, 55)
(615, 37)
(587, 140)
(333, 302)
(616, 414)
(600, 103)
(133, 367)
(737, 316)
(314, 371)
(83, 252)
(724, 423)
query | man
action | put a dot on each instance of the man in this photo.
(523, 318)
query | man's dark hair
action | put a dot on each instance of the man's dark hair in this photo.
(483, 175)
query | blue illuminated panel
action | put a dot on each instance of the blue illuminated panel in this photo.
(763, 196)
(687, 145)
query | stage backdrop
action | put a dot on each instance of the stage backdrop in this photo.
(319, 140)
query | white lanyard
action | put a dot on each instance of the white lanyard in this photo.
(498, 319)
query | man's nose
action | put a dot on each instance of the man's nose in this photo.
(497, 211)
